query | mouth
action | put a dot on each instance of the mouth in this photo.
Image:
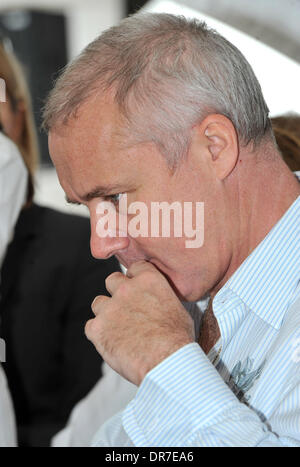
(128, 263)
(122, 261)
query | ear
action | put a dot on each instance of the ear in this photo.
(220, 138)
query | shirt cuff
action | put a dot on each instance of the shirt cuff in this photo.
(179, 396)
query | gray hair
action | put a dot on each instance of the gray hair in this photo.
(167, 73)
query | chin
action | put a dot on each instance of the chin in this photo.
(181, 289)
(186, 295)
(187, 291)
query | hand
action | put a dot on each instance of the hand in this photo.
(141, 324)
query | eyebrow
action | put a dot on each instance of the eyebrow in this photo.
(98, 192)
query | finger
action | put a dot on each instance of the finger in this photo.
(89, 330)
(98, 303)
(114, 280)
(138, 267)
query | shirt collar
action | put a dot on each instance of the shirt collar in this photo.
(267, 280)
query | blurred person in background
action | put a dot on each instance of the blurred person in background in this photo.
(48, 280)
(287, 133)
(13, 181)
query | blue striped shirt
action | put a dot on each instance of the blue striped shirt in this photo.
(246, 391)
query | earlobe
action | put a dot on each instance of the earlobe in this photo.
(222, 144)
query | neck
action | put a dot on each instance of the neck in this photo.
(261, 190)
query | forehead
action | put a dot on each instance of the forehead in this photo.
(91, 145)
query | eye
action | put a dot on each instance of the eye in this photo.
(115, 199)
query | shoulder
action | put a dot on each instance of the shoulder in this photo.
(53, 228)
(68, 236)
(51, 240)
(61, 222)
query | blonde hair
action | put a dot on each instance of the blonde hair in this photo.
(17, 90)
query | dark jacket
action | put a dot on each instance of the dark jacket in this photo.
(48, 281)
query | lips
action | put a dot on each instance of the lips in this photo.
(128, 262)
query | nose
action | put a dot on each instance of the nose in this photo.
(104, 247)
(106, 236)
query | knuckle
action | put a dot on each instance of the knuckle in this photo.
(94, 303)
(93, 329)
(97, 302)
(150, 276)
(88, 328)
(112, 276)
(123, 289)
(137, 267)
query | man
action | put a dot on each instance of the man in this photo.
(160, 109)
